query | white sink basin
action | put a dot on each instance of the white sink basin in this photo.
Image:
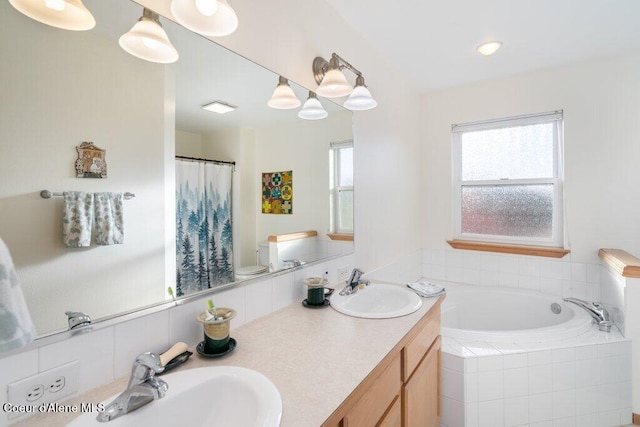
(214, 396)
(377, 301)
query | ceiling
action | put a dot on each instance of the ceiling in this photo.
(433, 42)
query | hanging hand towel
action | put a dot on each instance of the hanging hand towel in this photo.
(16, 328)
(109, 218)
(77, 219)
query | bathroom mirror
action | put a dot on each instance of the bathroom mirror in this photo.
(61, 88)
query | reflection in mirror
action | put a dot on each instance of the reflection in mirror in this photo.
(62, 88)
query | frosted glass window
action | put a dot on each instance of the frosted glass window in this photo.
(341, 165)
(508, 210)
(509, 153)
(346, 166)
(345, 215)
(508, 180)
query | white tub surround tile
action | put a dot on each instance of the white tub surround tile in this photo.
(559, 277)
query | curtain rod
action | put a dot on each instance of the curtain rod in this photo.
(221, 162)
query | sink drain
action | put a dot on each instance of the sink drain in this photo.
(556, 308)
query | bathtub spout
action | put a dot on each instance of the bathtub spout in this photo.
(596, 310)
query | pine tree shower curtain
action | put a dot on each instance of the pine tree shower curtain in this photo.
(204, 243)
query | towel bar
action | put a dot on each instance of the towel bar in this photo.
(46, 194)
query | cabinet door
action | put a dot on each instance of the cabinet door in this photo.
(375, 402)
(420, 394)
(393, 416)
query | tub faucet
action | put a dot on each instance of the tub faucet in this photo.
(353, 282)
(143, 388)
(597, 311)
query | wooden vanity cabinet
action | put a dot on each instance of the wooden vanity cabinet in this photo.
(403, 390)
(420, 394)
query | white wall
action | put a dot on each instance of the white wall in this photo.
(38, 137)
(601, 103)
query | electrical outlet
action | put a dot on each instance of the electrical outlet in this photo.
(44, 387)
(34, 393)
(57, 385)
(343, 272)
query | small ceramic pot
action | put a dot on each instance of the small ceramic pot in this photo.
(216, 332)
(317, 291)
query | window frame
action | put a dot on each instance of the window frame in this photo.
(334, 162)
(557, 238)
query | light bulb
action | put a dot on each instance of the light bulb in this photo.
(150, 43)
(489, 48)
(55, 4)
(207, 7)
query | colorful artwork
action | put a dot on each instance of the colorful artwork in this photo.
(277, 192)
(90, 162)
(204, 236)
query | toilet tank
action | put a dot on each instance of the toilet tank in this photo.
(263, 254)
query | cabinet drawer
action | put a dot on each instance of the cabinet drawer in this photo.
(420, 344)
(371, 407)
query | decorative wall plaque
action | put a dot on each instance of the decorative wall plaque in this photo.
(277, 193)
(90, 162)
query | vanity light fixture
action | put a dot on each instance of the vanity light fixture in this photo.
(65, 14)
(312, 108)
(147, 40)
(219, 107)
(283, 97)
(333, 83)
(489, 48)
(208, 17)
(360, 99)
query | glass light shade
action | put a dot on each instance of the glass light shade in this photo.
(72, 15)
(334, 85)
(489, 48)
(360, 99)
(147, 40)
(312, 109)
(283, 97)
(221, 23)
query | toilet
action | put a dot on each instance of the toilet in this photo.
(250, 271)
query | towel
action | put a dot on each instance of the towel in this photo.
(16, 327)
(109, 218)
(77, 219)
(426, 290)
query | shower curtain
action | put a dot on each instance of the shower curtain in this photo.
(204, 243)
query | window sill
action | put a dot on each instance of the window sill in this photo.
(509, 249)
(622, 262)
(341, 237)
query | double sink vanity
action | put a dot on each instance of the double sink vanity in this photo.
(319, 366)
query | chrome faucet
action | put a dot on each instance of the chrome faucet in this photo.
(353, 282)
(143, 388)
(597, 311)
(295, 262)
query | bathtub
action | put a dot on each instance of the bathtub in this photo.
(509, 360)
(505, 315)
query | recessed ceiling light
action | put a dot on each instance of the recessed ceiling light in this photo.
(489, 48)
(219, 107)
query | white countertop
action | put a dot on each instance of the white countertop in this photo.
(315, 357)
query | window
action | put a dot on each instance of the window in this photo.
(341, 166)
(508, 180)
